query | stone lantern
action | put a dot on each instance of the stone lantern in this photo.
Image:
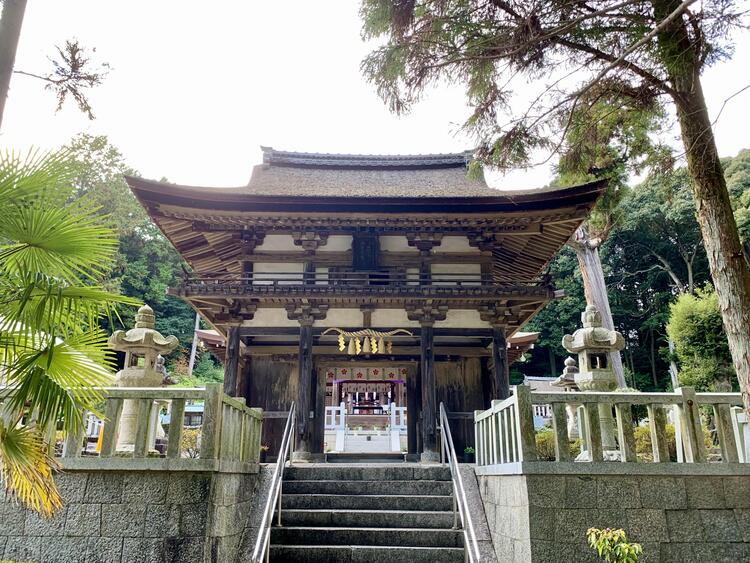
(142, 346)
(593, 343)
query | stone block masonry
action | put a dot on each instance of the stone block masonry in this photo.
(134, 516)
(542, 517)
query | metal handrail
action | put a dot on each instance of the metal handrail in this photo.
(262, 549)
(460, 502)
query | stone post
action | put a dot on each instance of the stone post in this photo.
(141, 344)
(568, 383)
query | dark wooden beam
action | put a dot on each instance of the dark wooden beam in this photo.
(304, 390)
(429, 409)
(232, 362)
(412, 409)
(284, 330)
(500, 363)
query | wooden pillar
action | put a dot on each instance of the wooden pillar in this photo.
(304, 391)
(429, 410)
(500, 363)
(232, 361)
(412, 412)
(319, 400)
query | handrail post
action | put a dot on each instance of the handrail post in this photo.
(690, 421)
(211, 431)
(525, 420)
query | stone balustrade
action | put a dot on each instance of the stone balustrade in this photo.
(505, 432)
(229, 441)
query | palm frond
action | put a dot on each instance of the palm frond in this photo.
(67, 241)
(26, 469)
(57, 378)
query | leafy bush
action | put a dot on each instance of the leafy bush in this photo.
(545, 445)
(612, 545)
(191, 442)
(701, 345)
(643, 442)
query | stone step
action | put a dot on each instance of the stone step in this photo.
(392, 472)
(364, 554)
(366, 487)
(367, 518)
(365, 457)
(408, 537)
(364, 502)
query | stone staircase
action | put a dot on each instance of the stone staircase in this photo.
(367, 513)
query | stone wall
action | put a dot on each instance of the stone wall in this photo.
(680, 517)
(128, 517)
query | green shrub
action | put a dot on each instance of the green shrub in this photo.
(545, 445)
(612, 545)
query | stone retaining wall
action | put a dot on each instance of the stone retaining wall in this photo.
(127, 517)
(686, 517)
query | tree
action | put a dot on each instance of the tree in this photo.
(701, 346)
(54, 252)
(72, 73)
(630, 53)
(10, 30)
(145, 263)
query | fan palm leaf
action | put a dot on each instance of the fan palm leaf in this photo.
(26, 469)
(55, 249)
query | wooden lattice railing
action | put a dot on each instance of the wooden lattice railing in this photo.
(505, 433)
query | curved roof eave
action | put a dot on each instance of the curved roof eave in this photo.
(151, 192)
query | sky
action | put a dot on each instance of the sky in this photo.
(196, 88)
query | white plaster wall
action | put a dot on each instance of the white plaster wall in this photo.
(412, 276)
(266, 317)
(392, 318)
(342, 318)
(321, 276)
(462, 318)
(271, 270)
(455, 244)
(337, 243)
(391, 243)
(467, 271)
(278, 243)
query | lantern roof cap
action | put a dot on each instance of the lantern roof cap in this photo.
(593, 336)
(143, 336)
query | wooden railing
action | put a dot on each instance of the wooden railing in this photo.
(505, 432)
(229, 438)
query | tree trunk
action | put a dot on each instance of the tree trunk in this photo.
(10, 31)
(729, 270)
(726, 260)
(595, 289)
(552, 362)
(653, 359)
(673, 370)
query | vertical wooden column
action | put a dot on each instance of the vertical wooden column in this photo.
(412, 412)
(429, 411)
(232, 361)
(500, 363)
(319, 400)
(304, 390)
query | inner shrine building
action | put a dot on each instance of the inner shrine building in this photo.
(367, 283)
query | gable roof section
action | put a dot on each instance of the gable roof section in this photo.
(363, 176)
(296, 192)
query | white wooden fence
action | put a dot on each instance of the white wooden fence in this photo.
(505, 432)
